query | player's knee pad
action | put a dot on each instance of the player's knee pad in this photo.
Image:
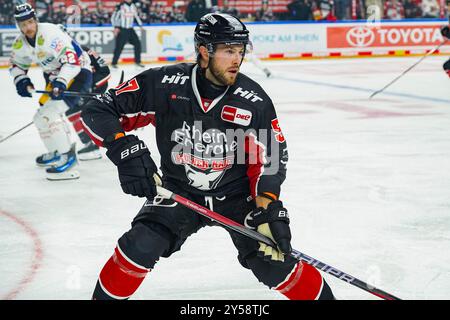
(135, 255)
(52, 127)
(269, 274)
(144, 244)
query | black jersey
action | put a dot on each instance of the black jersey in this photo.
(211, 147)
(100, 70)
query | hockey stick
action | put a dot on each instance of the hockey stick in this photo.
(15, 132)
(79, 94)
(407, 70)
(121, 78)
(258, 64)
(233, 225)
(72, 93)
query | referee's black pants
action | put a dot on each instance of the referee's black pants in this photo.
(124, 36)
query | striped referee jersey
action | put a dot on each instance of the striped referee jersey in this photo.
(124, 15)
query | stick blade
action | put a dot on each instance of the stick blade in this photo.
(374, 94)
(122, 75)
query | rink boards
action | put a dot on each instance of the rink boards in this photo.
(275, 40)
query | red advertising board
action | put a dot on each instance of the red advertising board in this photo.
(366, 36)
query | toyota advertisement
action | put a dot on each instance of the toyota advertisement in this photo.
(385, 35)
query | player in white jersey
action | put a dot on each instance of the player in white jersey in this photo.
(65, 65)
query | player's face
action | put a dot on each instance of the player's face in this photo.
(28, 27)
(224, 65)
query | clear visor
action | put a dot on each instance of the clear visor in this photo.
(232, 51)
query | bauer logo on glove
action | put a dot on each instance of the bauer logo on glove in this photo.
(138, 173)
(133, 149)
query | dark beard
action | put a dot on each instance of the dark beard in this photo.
(220, 77)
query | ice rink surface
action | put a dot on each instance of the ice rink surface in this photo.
(368, 191)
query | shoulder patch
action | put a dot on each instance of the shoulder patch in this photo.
(277, 130)
(40, 40)
(18, 44)
(57, 45)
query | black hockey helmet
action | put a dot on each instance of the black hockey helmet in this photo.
(24, 12)
(215, 28)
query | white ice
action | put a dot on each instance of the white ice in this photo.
(368, 191)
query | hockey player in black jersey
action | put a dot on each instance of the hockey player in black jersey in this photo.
(100, 77)
(445, 31)
(446, 34)
(100, 71)
(221, 145)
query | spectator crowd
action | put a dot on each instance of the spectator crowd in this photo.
(191, 10)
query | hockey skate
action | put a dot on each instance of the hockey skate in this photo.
(64, 168)
(90, 151)
(48, 159)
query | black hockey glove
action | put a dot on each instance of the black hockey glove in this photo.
(445, 31)
(138, 173)
(23, 85)
(272, 222)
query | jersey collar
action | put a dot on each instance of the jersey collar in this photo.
(197, 94)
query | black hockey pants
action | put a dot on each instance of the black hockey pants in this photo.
(162, 226)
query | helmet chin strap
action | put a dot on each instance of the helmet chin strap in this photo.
(211, 51)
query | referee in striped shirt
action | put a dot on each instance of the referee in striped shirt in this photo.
(122, 20)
